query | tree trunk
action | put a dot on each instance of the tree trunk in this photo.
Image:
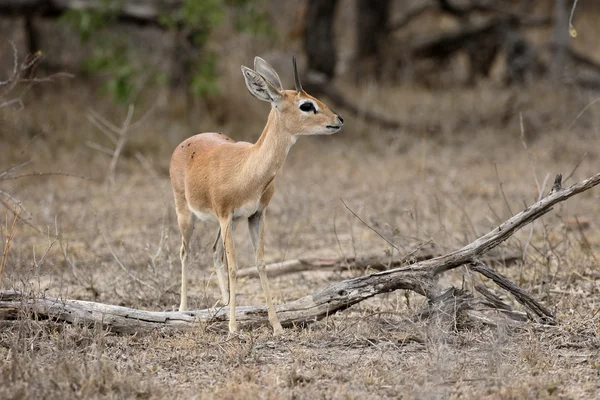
(372, 30)
(561, 39)
(318, 37)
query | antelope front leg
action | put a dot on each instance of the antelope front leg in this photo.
(220, 267)
(257, 229)
(186, 225)
(227, 235)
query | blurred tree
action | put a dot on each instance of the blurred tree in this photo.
(318, 38)
(190, 23)
(322, 58)
(372, 27)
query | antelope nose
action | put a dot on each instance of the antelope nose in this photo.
(340, 119)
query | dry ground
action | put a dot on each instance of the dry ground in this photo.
(120, 245)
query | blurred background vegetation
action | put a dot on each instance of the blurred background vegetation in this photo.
(178, 61)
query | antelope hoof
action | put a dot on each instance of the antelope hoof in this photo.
(233, 328)
(277, 330)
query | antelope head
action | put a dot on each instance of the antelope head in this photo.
(299, 112)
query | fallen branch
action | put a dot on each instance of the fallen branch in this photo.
(374, 261)
(419, 277)
(521, 296)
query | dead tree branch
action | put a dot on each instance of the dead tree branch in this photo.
(520, 295)
(373, 262)
(419, 277)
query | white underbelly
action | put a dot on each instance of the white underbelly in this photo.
(245, 211)
(205, 217)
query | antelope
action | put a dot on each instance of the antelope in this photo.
(215, 178)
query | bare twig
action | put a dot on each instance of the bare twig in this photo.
(13, 168)
(501, 184)
(100, 148)
(38, 264)
(575, 167)
(118, 136)
(38, 174)
(369, 226)
(591, 103)
(572, 29)
(9, 208)
(520, 295)
(588, 247)
(16, 202)
(106, 127)
(123, 133)
(10, 234)
(19, 68)
(128, 272)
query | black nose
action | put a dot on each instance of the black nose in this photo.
(340, 119)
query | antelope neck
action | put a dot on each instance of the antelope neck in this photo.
(269, 152)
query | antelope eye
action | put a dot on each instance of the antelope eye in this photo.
(308, 106)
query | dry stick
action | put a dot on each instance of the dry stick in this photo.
(18, 70)
(372, 261)
(369, 226)
(13, 169)
(10, 234)
(17, 202)
(15, 65)
(572, 30)
(576, 166)
(123, 134)
(118, 136)
(120, 264)
(520, 295)
(585, 240)
(100, 148)
(492, 298)
(590, 104)
(17, 215)
(34, 174)
(500, 183)
(337, 239)
(104, 125)
(537, 183)
(419, 277)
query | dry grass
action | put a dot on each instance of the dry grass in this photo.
(120, 245)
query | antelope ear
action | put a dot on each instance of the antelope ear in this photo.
(259, 87)
(265, 70)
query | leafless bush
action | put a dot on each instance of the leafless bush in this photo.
(22, 79)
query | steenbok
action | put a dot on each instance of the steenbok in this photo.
(215, 178)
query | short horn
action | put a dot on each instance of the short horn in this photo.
(296, 77)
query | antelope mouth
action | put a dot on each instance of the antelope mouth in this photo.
(335, 127)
